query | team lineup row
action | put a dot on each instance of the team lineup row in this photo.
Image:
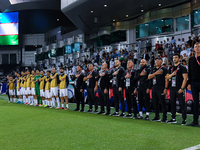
(30, 87)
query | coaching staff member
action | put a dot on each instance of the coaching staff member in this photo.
(130, 85)
(159, 88)
(194, 82)
(143, 86)
(91, 88)
(103, 86)
(117, 76)
(178, 75)
(79, 88)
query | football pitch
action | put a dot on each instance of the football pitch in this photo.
(28, 127)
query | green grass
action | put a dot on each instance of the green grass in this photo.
(28, 127)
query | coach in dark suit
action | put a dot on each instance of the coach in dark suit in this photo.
(145, 56)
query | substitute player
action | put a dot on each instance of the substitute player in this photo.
(42, 81)
(18, 89)
(11, 85)
(28, 87)
(54, 79)
(34, 102)
(47, 90)
(22, 90)
(64, 82)
(37, 87)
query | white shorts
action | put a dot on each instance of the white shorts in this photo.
(63, 92)
(22, 90)
(33, 91)
(11, 92)
(41, 93)
(18, 92)
(27, 91)
(54, 91)
(47, 94)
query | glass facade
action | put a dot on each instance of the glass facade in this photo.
(195, 17)
(154, 27)
(182, 23)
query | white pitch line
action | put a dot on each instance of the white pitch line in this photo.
(193, 148)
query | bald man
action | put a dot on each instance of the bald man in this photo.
(117, 76)
(103, 86)
(143, 86)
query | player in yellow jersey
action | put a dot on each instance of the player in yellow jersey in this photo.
(54, 79)
(28, 87)
(34, 98)
(18, 88)
(64, 82)
(11, 85)
(22, 90)
(47, 90)
(42, 81)
(25, 99)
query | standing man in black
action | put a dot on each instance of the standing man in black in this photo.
(159, 89)
(91, 88)
(145, 56)
(143, 86)
(79, 88)
(194, 82)
(178, 75)
(117, 76)
(103, 85)
(130, 85)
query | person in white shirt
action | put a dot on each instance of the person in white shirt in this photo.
(168, 42)
(184, 51)
(137, 47)
(179, 42)
(183, 43)
(192, 35)
(112, 63)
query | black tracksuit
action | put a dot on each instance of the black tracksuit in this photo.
(194, 80)
(78, 85)
(91, 83)
(157, 92)
(130, 85)
(103, 83)
(176, 82)
(142, 85)
(117, 81)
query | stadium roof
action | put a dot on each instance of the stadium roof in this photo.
(88, 15)
(17, 5)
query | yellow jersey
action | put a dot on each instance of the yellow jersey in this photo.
(18, 82)
(63, 81)
(22, 81)
(28, 81)
(12, 84)
(54, 80)
(42, 80)
(32, 81)
(47, 85)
